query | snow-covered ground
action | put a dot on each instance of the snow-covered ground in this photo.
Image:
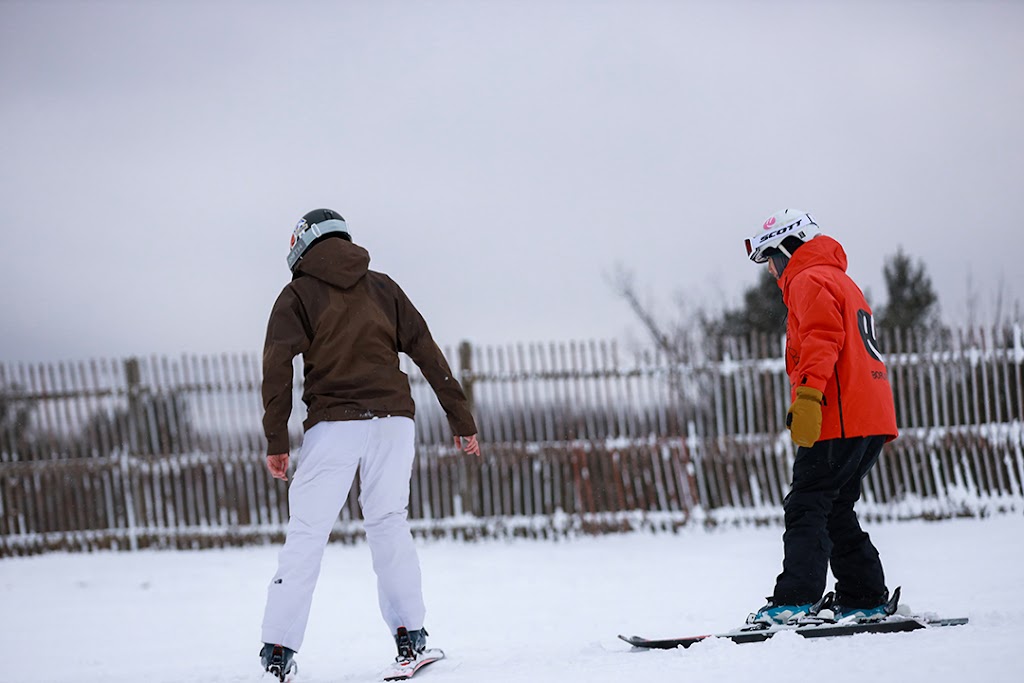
(515, 611)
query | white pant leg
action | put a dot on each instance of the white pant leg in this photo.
(384, 474)
(327, 464)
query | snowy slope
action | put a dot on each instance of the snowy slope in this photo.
(514, 611)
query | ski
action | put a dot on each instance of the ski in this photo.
(404, 669)
(760, 633)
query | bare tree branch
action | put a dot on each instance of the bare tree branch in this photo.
(623, 282)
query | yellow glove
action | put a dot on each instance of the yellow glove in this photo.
(804, 417)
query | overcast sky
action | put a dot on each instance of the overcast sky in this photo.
(497, 159)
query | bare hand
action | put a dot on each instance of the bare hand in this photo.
(468, 444)
(278, 466)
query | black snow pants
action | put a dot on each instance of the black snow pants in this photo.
(821, 526)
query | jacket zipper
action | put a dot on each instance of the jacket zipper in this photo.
(839, 400)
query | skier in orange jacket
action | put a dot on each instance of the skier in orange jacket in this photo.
(842, 413)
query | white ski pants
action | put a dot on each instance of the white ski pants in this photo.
(383, 450)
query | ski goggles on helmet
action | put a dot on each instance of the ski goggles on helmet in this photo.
(307, 233)
(776, 229)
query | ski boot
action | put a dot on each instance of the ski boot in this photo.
(860, 615)
(278, 660)
(413, 654)
(777, 614)
(411, 644)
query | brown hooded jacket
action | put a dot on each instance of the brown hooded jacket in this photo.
(349, 323)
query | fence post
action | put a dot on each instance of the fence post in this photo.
(466, 372)
(129, 501)
(132, 379)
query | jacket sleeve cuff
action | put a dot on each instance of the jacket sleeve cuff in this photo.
(813, 382)
(276, 445)
(462, 426)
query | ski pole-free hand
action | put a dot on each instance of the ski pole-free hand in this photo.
(468, 444)
(278, 466)
(804, 417)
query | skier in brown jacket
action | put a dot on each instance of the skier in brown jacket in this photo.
(349, 323)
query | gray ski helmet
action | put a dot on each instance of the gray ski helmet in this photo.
(314, 225)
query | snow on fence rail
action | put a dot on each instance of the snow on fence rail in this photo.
(161, 452)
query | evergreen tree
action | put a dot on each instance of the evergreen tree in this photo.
(15, 414)
(762, 311)
(912, 300)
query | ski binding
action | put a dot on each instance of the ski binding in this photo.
(404, 669)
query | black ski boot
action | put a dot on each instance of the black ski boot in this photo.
(278, 660)
(411, 644)
(820, 612)
(888, 606)
(779, 614)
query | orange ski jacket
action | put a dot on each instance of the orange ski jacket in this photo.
(830, 343)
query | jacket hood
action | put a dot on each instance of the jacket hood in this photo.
(820, 251)
(336, 261)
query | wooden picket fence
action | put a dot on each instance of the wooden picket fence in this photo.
(577, 438)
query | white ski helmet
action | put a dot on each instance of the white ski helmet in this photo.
(781, 226)
(310, 228)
